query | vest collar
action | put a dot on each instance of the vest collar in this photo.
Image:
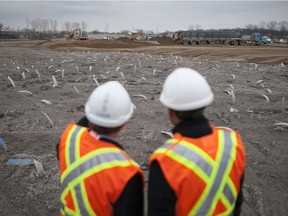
(193, 129)
(105, 138)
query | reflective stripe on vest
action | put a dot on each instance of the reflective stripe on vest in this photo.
(73, 144)
(80, 168)
(215, 173)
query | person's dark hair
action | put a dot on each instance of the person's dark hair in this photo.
(190, 114)
(103, 130)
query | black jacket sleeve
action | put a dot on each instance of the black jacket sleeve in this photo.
(131, 201)
(161, 198)
(239, 201)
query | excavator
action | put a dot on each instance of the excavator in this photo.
(77, 34)
(135, 35)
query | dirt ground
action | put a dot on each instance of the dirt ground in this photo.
(31, 127)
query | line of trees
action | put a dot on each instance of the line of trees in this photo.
(40, 28)
(48, 28)
(272, 29)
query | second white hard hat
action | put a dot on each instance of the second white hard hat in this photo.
(109, 105)
(186, 89)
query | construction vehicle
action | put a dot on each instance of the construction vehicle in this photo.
(132, 35)
(231, 37)
(135, 35)
(176, 35)
(83, 35)
(77, 34)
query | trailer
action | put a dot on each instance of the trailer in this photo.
(231, 37)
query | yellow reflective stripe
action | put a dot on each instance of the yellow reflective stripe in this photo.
(74, 141)
(77, 144)
(210, 181)
(225, 201)
(134, 163)
(160, 150)
(65, 209)
(86, 201)
(171, 141)
(96, 169)
(229, 207)
(189, 164)
(225, 177)
(193, 148)
(82, 160)
(67, 145)
(87, 157)
(232, 187)
(68, 211)
(227, 171)
(198, 150)
(219, 184)
(75, 201)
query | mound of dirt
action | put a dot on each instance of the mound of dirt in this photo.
(164, 40)
(29, 133)
(69, 45)
(123, 39)
(254, 54)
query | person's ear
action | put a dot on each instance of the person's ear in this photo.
(173, 117)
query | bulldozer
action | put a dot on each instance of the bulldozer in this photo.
(77, 34)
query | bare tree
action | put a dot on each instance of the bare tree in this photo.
(124, 32)
(75, 25)
(83, 26)
(35, 24)
(67, 26)
(8, 29)
(262, 25)
(198, 27)
(1, 27)
(283, 26)
(96, 31)
(272, 25)
(53, 25)
(195, 27)
(191, 27)
(251, 27)
(44, 25)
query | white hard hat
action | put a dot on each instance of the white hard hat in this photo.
(186, 89)
(109, 105)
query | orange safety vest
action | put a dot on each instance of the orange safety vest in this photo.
(203, 172)
(93, 172)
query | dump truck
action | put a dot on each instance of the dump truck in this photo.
(218, 37)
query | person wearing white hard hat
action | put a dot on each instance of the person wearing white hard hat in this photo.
(97, 176)
(200, 170)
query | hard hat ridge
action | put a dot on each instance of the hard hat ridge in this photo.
(109, 105)
(186, 89)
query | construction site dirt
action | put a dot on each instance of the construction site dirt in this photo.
(44, 86)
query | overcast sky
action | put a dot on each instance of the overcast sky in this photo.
(147, 15)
